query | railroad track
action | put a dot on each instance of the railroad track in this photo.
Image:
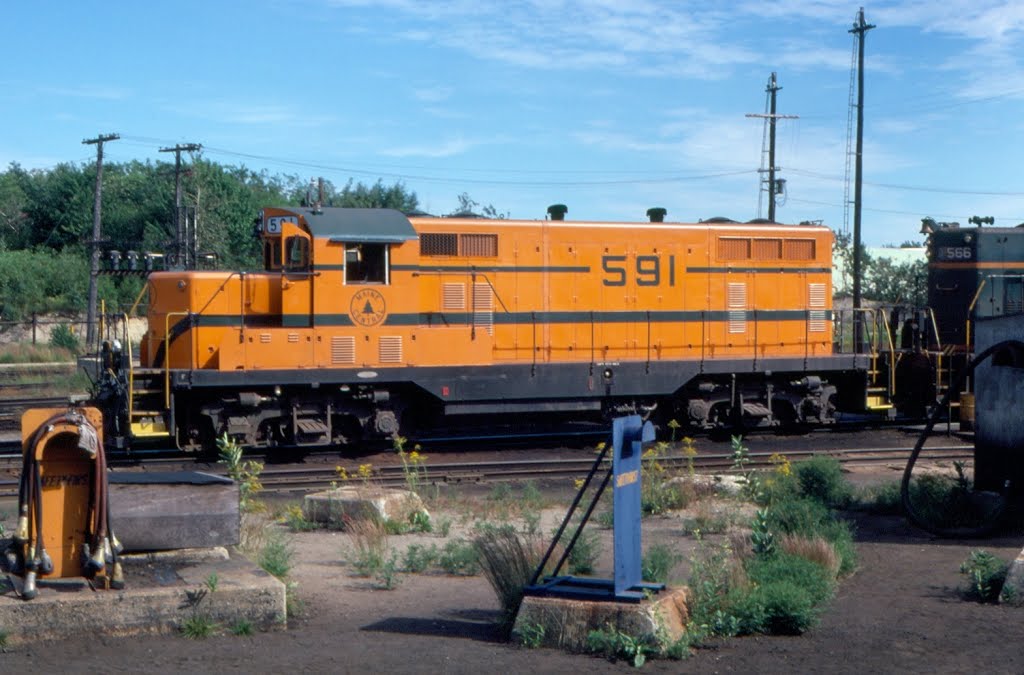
(11, 409)
(300, 478)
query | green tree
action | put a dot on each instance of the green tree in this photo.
(467, 209)
(897, 283)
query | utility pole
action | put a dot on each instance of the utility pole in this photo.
(94, 245)
(770, 118)
(181, 239)
(860, 28)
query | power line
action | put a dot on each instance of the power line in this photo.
(913, 188)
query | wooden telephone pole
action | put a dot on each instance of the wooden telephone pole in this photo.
(860, 28)
(770, 118)
(94, 245)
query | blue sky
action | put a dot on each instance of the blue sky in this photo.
(608, 106)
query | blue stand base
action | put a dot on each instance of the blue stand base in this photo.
(586, 588)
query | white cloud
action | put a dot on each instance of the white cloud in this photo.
(434, 94)
(257, 114)
(102, 92)
(447, 148)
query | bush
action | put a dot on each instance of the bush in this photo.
(821, 478)
(276, 555)
(948, 502)
(585, 553)
(459, 557)
(808, 518)
(782, 608)
(63, 337)
(798, 515)
(883, 499)
(986, 575)
(419, 558)
(814, 579)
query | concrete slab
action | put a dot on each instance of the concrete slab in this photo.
(360, 503)
(161, 593)
(566, 623)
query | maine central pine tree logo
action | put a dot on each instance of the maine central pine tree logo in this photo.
(367, 307)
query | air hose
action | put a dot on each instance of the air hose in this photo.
(993, 522)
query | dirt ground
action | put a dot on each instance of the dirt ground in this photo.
(900, 612)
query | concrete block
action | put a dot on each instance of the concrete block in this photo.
(158, 511)
(566, 622)
(361, 503)
(159, 597)
(1013, 586)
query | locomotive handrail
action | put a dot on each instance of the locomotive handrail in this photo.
(220, 288)
(892, 352)
(970, 309)
(131, 367)
(493, 289)
(647, 368)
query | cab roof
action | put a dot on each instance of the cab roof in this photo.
(355, 224)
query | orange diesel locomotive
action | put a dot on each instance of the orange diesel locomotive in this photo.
(366, 323)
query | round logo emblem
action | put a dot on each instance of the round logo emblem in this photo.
(367, 307)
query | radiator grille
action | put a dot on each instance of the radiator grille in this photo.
(767, 249)
(433, 243)
(483, 307)
(453, 296)
(265, 338)
(479, 245)
(733, 248)
(343, 349)
(799, 249)
(816, 322)
(391, 349)
(737, 304)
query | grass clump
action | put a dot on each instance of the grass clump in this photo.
(658, 492)
(244, 472)
(242, 627)
(614, 645)
(584, 554)
(508, 560)
(459, 557)
(419, 558)
(949, 502)
(657, 563)
(198, 627)
(369, 537)
(277, 555)
(296, 520)
(985, 574)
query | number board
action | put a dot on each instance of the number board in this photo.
(955, 253)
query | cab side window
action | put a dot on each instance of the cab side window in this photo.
(366, 264)
(272, 254)
(296, 254)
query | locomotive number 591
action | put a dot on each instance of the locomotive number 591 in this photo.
(645, 272)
